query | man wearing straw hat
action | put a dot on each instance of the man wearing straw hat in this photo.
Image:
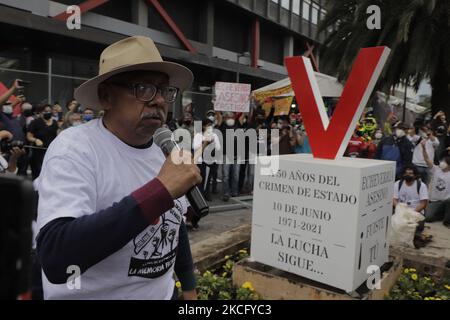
(111, 206)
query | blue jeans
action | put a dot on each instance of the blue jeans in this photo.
(424, 174)
(230, 176)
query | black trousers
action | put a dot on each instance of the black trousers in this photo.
(37, 158)
(208, 172)
(22, 165)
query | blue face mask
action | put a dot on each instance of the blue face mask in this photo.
(88, 117)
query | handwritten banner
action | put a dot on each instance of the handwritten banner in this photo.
(234, 97)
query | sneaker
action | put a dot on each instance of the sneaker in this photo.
(447, 224)
(226, 198)
(418, 243)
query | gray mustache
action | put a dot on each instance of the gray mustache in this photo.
(152, 115)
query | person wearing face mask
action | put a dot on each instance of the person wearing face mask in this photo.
(27, 115)
(230, 167)
(439, 207)
(57, 113)
(411, 191)
(211, 116)
(396, 147)
(426, 137)
(210, 141)
(74, 120)
(16, 128)
(88, 115)
(377, 137)
(41, 133)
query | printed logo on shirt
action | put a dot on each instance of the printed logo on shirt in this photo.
(440, 185)
(155, 248)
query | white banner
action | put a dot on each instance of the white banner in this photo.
(233, 97)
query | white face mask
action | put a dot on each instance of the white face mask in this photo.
(400, 133)
(230, 122)
(209, 130)
(378, 136)
(443, 165)
(7, 108)
(76, 123)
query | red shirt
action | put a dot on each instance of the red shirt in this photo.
(355, 146)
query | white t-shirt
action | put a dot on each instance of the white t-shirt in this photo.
(440, 184)
(198, 142)
(430, 146)
(87, 169)
(409, 195)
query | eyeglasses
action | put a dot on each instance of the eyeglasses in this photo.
(146, 92)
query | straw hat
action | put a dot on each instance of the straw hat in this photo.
(131, 54)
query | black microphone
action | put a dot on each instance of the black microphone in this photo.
(163, 139)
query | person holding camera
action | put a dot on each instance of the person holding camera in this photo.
(14, 126)
(13, 153)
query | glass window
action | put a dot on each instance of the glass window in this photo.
(323, 13)
(306, 5)
(315, 14)
(285, 4)
(276, 1)
(296, 7)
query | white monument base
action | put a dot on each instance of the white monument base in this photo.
(326, 220)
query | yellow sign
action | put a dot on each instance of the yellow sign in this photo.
(282, 106)
(261, 96)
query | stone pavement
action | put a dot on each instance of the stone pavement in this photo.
(219, 222)
(434, 257)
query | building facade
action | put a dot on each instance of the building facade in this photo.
(219, 40)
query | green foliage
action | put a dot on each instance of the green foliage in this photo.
(413, 286)
(218, 284)
(417, 31)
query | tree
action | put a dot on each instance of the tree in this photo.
(417, 31)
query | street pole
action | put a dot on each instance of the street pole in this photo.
(238, 70)
(49, 83)
(404, 101)
(239, 56)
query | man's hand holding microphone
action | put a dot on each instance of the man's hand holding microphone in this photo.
(179, 174)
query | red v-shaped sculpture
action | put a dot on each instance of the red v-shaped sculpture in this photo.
(329, 140)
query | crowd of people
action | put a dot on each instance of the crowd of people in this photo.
(27, 131)
(421, 150)
(422, 155)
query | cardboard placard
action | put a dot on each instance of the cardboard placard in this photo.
(234, 97)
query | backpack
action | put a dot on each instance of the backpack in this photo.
(391, 152)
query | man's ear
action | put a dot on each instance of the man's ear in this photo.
(104, 96)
